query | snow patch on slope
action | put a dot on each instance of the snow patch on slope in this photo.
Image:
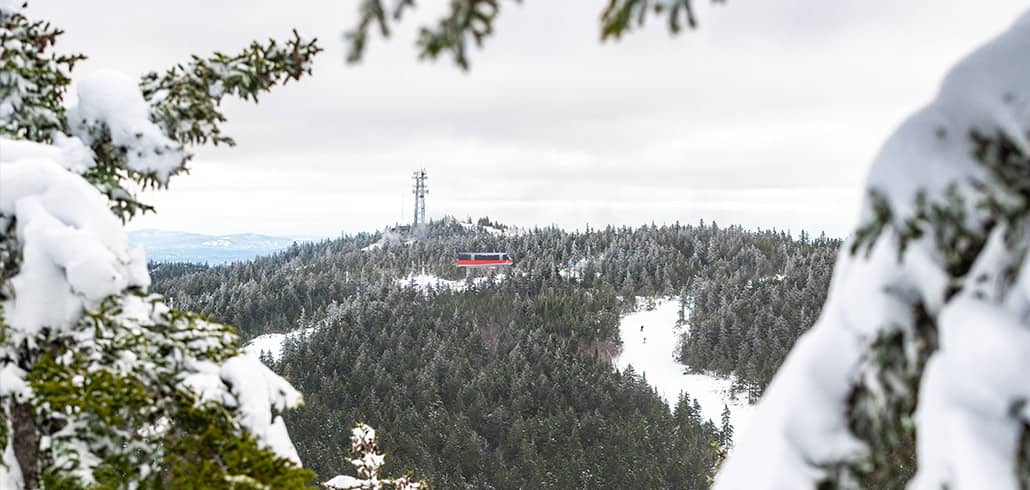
(424, 281)
(492, 230)
(272, 343)
(651, 352)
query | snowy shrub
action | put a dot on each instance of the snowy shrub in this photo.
(368, 463)
(101, 383)
(922, 349)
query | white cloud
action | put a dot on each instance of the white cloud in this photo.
(766, 116)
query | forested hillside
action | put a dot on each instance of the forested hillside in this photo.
(508, 383)
(745, 323)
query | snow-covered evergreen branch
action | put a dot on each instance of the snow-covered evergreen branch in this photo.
(922, 345)
(101, 383)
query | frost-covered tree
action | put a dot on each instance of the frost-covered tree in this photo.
(103, 385)
(923, 346)
(368, 464)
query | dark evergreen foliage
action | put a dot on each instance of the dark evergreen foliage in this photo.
(509, 384)
(753, 305)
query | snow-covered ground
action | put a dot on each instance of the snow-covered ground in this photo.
(651, 352)
(489, 229)
(272, 343)
(425, 281)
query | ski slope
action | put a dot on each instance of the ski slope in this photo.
(651, 352)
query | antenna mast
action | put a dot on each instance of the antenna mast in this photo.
(420, 192)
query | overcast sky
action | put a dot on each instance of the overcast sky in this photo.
(767, 116)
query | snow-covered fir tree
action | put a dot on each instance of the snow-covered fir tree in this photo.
(101, 383)
(923, 344)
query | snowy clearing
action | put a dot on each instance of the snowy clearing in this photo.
(272, 343)
(489, 229)
(651, 352)
(375, 246)
(424, 281)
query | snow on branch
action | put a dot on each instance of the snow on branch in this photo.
(97, 377)
(924, 335)
(243, 381)
(139, 131)
(74, 252)
(113, 118)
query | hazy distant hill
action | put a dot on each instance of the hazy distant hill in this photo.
(177, 246)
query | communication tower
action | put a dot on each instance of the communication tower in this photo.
(420, 190)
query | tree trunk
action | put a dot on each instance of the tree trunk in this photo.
(26, 443)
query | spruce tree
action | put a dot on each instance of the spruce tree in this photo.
(102, 384)
(725, 429)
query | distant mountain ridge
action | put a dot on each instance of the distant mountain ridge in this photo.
(178, 246)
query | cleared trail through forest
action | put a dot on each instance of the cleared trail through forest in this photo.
(651, 351)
